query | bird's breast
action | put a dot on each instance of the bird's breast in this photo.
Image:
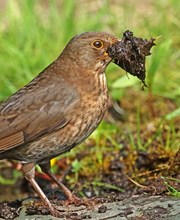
(88, 113)
(93, 108)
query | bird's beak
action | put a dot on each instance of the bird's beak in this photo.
(106, 54)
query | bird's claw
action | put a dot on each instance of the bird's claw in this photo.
(88, 203)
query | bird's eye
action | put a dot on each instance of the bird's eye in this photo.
(98, 44)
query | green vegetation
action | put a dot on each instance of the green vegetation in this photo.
(32, 35)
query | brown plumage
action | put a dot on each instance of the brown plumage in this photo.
(58, 109)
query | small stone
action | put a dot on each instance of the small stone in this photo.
(102, 209)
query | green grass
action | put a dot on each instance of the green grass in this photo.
(33, 33)
(172, 190)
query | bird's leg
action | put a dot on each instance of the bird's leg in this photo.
(29, 173)
(70, 197)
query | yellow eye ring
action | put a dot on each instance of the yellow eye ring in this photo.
(98, 44)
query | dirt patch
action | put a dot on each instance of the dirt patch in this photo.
(9, 210)
(130, 54)
(134, 208)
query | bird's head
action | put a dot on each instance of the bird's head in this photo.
(89, 50)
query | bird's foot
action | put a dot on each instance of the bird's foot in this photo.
(88, 203)
(54, 212)
(73, 200)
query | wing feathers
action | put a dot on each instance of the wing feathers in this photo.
(11, 141)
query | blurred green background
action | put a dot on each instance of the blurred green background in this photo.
(34, 32)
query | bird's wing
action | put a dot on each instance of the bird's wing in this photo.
(35, 110)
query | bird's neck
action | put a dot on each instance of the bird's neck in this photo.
(91, 83)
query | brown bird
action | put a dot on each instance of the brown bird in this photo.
(58, 109)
